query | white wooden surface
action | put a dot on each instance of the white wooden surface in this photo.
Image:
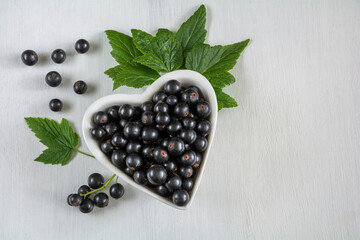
(284, 165)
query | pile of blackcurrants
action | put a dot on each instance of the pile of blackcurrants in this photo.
(96, 182)
(53, 78)
(160, 143)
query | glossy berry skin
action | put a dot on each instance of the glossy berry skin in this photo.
(80, 87)
(101, 200)
(180, 197)
(123, 122)
(96, 180)
(147, 152)
(190, 96)
(161, 107)
(203, 109)
(53, 79)
(129, 172)
(82, 46)
(140, 177)
(133, 147)
(203, 127)
(156, 175)
(118, 158)
(188, 158)
(75, 200)
(148, 118)
(164, 142)
(172, 87)
(58, 56)
(126, 111)
(134, 161)
(176, 146)
(132, 130)
(160, 155)
(113, 113)
(163, 191)
(187, 147)
(188, 184)
(97, 133)
(189, 123)
(149, 134)
(55, 105)
(86, 206)
(194, 88)
(198, 159)
(171, 100)
(29, 57)
(188, 136)
(147, 106)
(84, 189)
(186, 171)
(106, 147)
(159, 97)
(200, 144)
(101, 118)
(174, 183)
(118, 140)
(181, 110)
(110, 129)
(162, 119)
(68, 200)
(170, 166)
(174, 127)
(137, 112)
(117, 191)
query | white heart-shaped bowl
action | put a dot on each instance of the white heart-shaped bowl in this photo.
(187, 78)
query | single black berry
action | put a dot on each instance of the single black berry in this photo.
(87, 205)
(147, 152)
(140, 177)
(111, 128)
(198, 159)
(75, 199)
(180, 197)
(113, 113)
(147, 106)
(126, 111)
(203, 127)
(118, 140)
(101, 118)
(129, 172)
(161, 107)
(53, 79)
(29, 57)
(58, 56)
(97, 133)
(132, 130)
(80, 87)
(84, 189)
(190, 96)
(164, 142)
(188, 184)
(82, 46)
(133, 147)
(160, 154)
(203, 109)
(186, 171)
(107, 147)
(134, 161)
(159, 97)
(162, 191)
(200, 144)
(149, 134)
(101, 200)
(162, 119)
(68, 200)
(173, 183)
(194, 88)
(148, 118)
(117, 191)
(172, 87)
(188, 158)
(176, 146)
(188, 136)
(118, 158)
(55, 105)
(170, 166)
(189, 123)
(123, 122)
(172, 100)
(174, 127)
(181, 110)
(156, 175)
(96, 180)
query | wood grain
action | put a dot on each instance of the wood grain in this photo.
(284, 164)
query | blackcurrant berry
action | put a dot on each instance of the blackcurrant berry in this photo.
(148, 118)
(101, 200)
(134, 161)
(194, 88)
(140, 177)
(126, 111)
(161, 107)
(117, 191)
(172, 87)
(58, 56)
(123, 122)
(190, 96)
(170, 166)
(181, 110)
(87, 205)
(129, 172)
(180, 197)
(174, 128)
(113, 113)
(96, 180)
(133, 147)
(53, 79)
(118, 140)
(162, 119)
(172, 100)
(164, 142)
(55, 105)
(82, 46)
(188, 158)
(162, 191)
(176, 146)
(203, 109)
(101, 118)
(147, 152)
(186, 171)
(160, 154)
(97, 133)
(111, 128)
(156, 174)
(84, 189)
(198, 159)
(68, 200)
(107, 147)
(189, 122)
(159, 97)
(188, 136)
(188, 184)
(173, 183)
(118, 158)
(147, 106)
(75, 200)
(29, 57)
(132, 130)
(203, 127)
(149, 134)
(200, 144)
(80, 87)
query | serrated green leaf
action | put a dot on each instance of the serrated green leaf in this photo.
(224, 100)
(112, 72)
(219, 79)
(59, 138)
(164, 34)
(193, 30)
(229, 57)
(124, 50)
(160, 56)
(136, 77)
(202, 57)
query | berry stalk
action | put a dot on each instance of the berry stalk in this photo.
(86, 154)
(103, 187)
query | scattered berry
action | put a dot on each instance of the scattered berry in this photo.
(53, 79)
(80, 87)
(29, 57)
(180, 197)
(58, 56)
(82, 46)
(55, 105)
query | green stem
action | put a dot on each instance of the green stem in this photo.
(86, 154)
(103, 187)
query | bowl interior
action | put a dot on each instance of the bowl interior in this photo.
(187, 78)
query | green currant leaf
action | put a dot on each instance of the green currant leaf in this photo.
(219, 79)
(224, 100)
(164, 34)
(202, 57)
(112, 72)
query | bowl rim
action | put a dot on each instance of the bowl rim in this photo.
(186, 77)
